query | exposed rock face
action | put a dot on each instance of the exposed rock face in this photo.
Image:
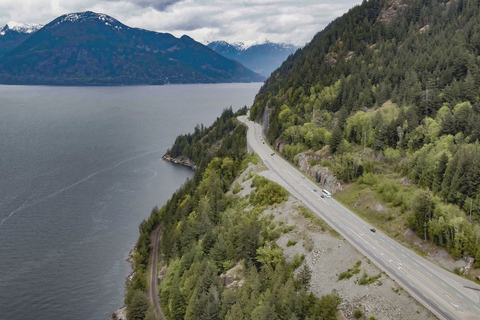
(321, 174)
(469, 264)
(120, 314)
(181, 160)
(266, 119)
(233, 278)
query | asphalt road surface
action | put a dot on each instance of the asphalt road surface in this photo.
(447, 295)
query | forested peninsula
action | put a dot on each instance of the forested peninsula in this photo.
(386, 100)
(208, 231)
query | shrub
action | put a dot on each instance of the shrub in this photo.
(268, 192)
(236, 188)
(291, 243)
(358, 314)
(368, 179)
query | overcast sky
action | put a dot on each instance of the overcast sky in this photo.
(204, 20)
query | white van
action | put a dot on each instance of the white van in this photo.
(326, 193)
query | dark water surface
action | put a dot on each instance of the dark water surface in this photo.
(80, 168)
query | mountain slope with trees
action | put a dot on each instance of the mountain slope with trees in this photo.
(387, 91)
(88, 48)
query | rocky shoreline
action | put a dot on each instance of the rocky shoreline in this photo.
(181, 160)
(121, 313)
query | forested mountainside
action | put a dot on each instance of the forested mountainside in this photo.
(387, 91)
(88, 48)
(207, 231)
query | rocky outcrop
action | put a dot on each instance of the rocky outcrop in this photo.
(469, 264)
(322, 175)
(266, 119)
(120, 314)
(233, 278)
(181, 160)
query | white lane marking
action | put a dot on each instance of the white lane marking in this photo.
(476, 308)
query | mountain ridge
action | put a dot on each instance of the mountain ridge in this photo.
(14, 33)
(87, 48)
(261, 57)
(20, 27)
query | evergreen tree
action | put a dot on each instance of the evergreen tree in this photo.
(138, 306)
(177, 305)
(304, 276)
(336, 139)
(448, 124)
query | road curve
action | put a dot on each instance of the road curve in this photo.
(447, 295)
(153, 288)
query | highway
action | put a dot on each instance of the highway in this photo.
(447, 295)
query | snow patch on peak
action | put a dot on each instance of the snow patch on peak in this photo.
(87, 15)
(20, 27)
(242, 46)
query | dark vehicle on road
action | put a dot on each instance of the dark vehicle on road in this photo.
(373, 230)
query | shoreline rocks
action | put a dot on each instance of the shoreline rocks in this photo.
(184, 161)
(121, 313)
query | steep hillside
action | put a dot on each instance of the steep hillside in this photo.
(87, 48)
(387, 95)
(262, 58)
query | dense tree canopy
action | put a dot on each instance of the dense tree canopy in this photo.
(391, 86)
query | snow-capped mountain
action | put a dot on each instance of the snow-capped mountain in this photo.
(261, 57)
(14, 33)
(25, 28)
(88, 48)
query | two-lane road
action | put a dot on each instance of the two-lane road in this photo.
(445, 294)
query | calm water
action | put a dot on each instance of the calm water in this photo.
(80, 168)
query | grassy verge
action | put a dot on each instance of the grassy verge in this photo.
(369, 204)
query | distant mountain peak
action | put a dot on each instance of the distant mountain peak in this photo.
(86, 15)
(20, 27)
(79, 17)
(262, 56)
(247, 44)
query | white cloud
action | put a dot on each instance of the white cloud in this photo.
(237, 20)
